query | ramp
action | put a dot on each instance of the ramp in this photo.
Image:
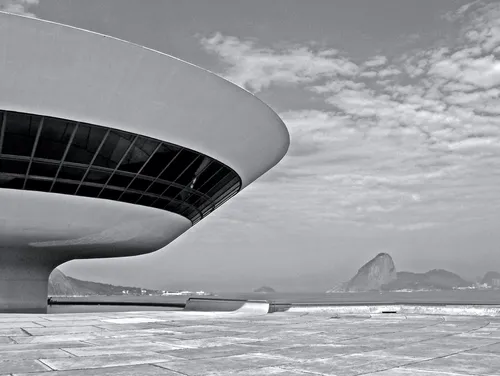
(232, 306)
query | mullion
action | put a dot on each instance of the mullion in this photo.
(224, 189)
(161, 172)
(64, 155)
(188, 187)
(181, 202)
(220, 200)
(185, 191)
(2, 131)
(178, 176)
(215, 173)
(206, 181)
(174, 184)
(231, 194)
(93, 159)
(35, 144)
(119, 164)
(140, 170)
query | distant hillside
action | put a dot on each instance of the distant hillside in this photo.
(379, 274)
(62, 285)
(59, 284)
(264, 289)
(436, 279)
(375, 273)
(491, 279)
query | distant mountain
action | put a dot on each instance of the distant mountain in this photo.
(379, 274)
(491, 278)
(375, 273)
(437, 279)
(339, 287)
(264, 289)
(62, 285)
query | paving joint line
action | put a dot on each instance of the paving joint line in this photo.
(168, 369)
(425, 360)
(69, 352)
(26, 332)
(45, 364)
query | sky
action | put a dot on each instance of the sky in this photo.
(392, 107)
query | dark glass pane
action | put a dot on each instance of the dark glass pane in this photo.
(184, 160)
(119, 180)
(38, 185)
(2, 114)
(11, 182)
(141, 184)
(96, 176)
(110, 194)
(191, 172)
(223, 193)
(130, 197)
(213, 179)
(14, 167)
(64, 188)
(54, 138)
(114, 148)
(85, 143)
(188, 211)
(176, 207)
(207, 206)
(160, 203)
(190, 197)
(157, 188)
(43, 169)
(89, 191)
(207, 175)
(138, 155)
(226, 198)
(71, 173)
(224, 183)
(160, 160)
(172, 192)
(20, 133)
(146, 200)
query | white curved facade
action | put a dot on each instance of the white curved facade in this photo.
(126, 86)
(48, 70)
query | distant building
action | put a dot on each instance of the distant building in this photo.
(495, 282)
(111, 149)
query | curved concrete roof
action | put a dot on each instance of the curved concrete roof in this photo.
(56, 70)
(83, 227)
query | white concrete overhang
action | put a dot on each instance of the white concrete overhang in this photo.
(57, 70)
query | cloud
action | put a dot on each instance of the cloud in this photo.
(392, 141)
(376, 61)
(257, 68)
(19, 6)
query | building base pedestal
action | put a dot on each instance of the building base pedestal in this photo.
(24, 279)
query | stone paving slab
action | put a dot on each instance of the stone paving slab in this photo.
(287, 343)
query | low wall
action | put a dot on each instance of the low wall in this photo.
(452, 310)
(224, 305)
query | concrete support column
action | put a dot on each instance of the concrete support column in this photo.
(24, 277)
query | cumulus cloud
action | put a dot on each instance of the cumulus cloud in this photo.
(256, 68)
(19, 6)
(392, 141)
(376, 61)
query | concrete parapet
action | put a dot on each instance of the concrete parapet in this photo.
(227, 305)
(451, 310)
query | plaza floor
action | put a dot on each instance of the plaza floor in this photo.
(288, 344)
